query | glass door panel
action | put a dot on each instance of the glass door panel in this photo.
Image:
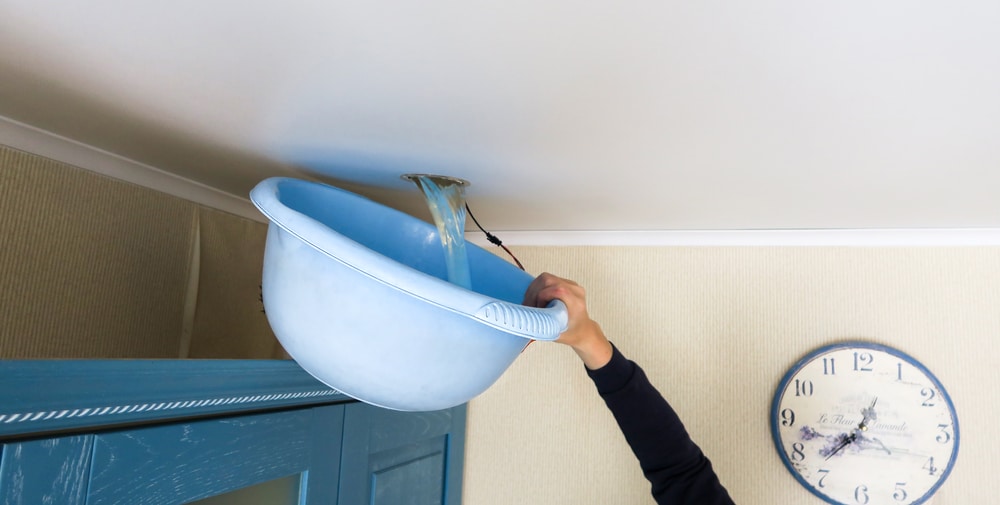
(283, 491)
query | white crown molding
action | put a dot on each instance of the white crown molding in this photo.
(758, 238)
(27, 138)
(43, 143)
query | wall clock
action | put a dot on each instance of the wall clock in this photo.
(864, 424)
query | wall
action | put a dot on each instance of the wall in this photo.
(716, 329)
(92, 267)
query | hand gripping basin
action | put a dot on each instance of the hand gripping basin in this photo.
(356, 293)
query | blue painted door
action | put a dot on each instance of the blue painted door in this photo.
(352, 454)
(163, 432)
(402, 458)
(179, 462)
(52, 470)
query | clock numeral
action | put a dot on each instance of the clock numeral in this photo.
(927, 394)
(824, 473)
(797, 454)
(803, 388)
(861, 494)
(788, 418)
(899, 371)
(929, 466)
(829, 369)
(944, 437)
(900, 493)
(863, 362)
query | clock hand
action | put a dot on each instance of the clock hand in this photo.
(904, 452)
(880, 445)
(845, 440)
(868, 415)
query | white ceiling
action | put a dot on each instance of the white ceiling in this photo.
(564, 115)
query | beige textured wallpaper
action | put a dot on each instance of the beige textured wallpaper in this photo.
(229, 320)
(95, 268)
(92, 267)
(716, 329)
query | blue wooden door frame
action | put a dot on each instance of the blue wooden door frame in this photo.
(178, 462)
(394, 457)
(89, 430)
(39, 396)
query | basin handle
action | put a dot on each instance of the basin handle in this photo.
(528, 322)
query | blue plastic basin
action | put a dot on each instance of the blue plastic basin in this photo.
(357, 294)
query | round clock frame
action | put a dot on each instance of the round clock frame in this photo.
(858, 423)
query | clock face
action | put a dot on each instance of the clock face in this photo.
(864, 424)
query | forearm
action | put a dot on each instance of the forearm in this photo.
(593, 347)
(676, 468)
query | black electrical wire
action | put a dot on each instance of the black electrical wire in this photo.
(491, 237)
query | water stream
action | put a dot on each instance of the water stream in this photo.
(446, 200)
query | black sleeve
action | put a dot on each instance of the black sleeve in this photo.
(679, 472)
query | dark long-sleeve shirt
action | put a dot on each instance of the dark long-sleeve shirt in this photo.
(679, 472)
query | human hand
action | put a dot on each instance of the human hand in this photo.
(582, 333)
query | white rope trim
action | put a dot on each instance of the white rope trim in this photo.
(26, 417)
